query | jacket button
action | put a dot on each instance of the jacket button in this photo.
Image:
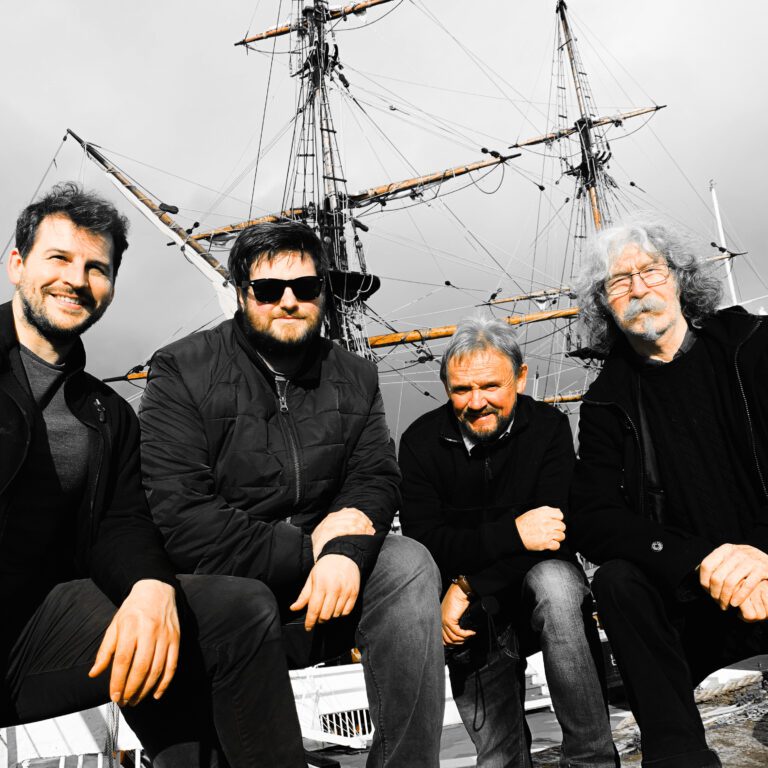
(657, 546)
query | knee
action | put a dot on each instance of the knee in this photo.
(410, 563)
(556, 585)
(226, 606)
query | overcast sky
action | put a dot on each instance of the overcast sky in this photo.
(161, 83)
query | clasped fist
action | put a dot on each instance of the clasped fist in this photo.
(346, 522)
(541, 528)
(735, 576)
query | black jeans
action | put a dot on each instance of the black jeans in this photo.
(230, 703)
(663, 648)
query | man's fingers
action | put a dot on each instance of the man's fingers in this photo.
(303, 597)
(350, 604)
(171, 661)
(314, 606)
(744, 589)
(105, 652)
(710, 563)
(141, 664)
(328, 607)
(155, 670)
(121, 668)
(725, 580)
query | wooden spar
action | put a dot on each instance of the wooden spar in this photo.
(554, 399)
(386, 190)
(336, 13)
(546, 294)
(596, 123)
(441, 332)
(149, 204)
(233, 228)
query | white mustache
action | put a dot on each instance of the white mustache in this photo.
(646, 304)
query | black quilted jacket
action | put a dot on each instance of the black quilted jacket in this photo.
(238, 475)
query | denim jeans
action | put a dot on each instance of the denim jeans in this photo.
(557, 605)
(396, 626)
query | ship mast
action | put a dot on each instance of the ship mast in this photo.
(594, 151)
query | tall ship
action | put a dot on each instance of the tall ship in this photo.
(512, 210)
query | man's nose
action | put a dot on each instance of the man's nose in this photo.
(288, 299)
(477, 400)
(637, 286)
(74, 274)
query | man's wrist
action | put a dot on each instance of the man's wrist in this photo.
(463, 584)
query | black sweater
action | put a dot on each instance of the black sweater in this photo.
(463, 506)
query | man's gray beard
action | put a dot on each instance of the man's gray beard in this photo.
(487, 437)
(635, 308)
(40, 321)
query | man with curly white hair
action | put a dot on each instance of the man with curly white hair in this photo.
(670, 494)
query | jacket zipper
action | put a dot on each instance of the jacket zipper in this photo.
(293, 443)
(746, 408)
(101, 415)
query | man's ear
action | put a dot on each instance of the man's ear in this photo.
(522, 378)
(15, 266)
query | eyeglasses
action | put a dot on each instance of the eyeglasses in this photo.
(271, 289)
(621, 285)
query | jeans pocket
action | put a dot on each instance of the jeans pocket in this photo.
(508, 643)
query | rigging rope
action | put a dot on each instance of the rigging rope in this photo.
(264, 113)
(52, 164)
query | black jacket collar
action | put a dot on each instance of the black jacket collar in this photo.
(9, 341)
(615, 384)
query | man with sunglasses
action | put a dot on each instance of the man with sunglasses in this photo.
(266, 454)
(670, 494)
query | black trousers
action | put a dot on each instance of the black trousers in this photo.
(664, 648)
(229, 704)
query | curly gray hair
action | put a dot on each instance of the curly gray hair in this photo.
(699, 290)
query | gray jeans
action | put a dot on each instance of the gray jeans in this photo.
(396, 626)
(556, 598)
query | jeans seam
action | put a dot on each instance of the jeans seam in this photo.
(379, 724)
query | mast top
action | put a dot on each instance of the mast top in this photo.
(353, 9)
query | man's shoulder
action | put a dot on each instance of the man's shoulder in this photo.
(429, 426)
(349, 366)
(540, 413)
(198, 346)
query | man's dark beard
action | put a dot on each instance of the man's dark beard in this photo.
(57, 336)
(271, 347)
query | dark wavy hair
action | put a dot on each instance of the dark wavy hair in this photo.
(263, 242)
(84, 209)
(699, 289)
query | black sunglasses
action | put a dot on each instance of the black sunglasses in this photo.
(271, 289)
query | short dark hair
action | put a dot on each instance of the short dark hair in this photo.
(265, 241)
(84, 209)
